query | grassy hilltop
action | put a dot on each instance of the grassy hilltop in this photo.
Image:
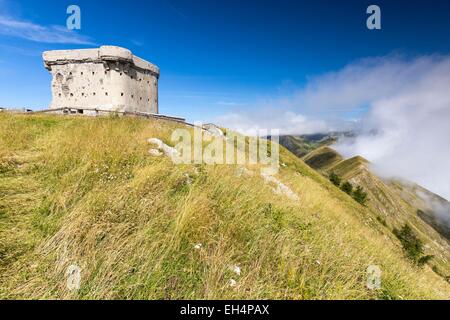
(85, 191)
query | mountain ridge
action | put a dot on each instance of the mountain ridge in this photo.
(392, 201)
(85, 193)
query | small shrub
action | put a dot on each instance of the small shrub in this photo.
(347, 187)
(424, 260)
(412, 245)
(359, 195)
(335, 179)
(382, 221)
(440, 273)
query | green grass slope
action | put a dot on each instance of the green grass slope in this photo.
(304, 144)
(84, 191)
(322, 158)
(430, 207)
(392, 202)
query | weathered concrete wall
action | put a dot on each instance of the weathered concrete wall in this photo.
(108, 78)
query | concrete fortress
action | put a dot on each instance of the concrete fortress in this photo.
(107, 78)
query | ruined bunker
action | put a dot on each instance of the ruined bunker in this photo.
(107, 78)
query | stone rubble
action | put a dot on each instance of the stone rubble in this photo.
(213, 130)
(236, 269)
(155, 152)
(243, 171)
(281, 188)
(232, 283)
(168, 150)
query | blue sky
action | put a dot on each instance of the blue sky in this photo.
(299, 66)
(218, 56)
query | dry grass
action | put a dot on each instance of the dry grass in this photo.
(84, 191)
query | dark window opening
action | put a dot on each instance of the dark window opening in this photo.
(80, 111)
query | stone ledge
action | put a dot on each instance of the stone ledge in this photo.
(97, 55)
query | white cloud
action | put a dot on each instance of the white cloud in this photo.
(406, 132)
(137, 43)
(286, 121)
(229, 103)
(402, 107)
(13, 27)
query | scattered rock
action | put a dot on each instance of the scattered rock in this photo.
(156, 142)
(73, 274)
(198, 246)
(189, 180)
(281, 188)
(236, 269)
(196, 171)
(155, 152)
(168, 150)
(232, 283)
(213, 130)
(243, 171)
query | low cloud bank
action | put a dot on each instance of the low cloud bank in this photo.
(406, 132)
(288, 122)
(439, 208)
(399, 106)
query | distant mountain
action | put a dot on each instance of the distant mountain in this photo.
(392, 202)
(300, 145)
(384, 193)
(431, 208)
